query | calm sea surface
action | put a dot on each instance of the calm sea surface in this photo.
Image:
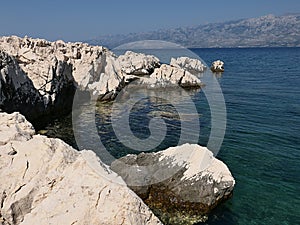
(261, 87)
(262, 143)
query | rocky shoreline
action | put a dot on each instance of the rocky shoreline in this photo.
(43, 76)
(49, 182)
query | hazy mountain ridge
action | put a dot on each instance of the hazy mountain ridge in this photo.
(266, 31)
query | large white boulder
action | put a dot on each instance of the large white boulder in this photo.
(45, 181)
(181, 184)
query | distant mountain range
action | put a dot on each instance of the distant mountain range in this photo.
(266, 31)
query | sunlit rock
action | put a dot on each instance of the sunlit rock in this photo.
(45, 181)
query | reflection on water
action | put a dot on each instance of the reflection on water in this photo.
(140, 115)
(94, 129)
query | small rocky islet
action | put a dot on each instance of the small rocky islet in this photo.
(49, 182)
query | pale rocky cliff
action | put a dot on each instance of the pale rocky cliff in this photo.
(52, 65)
(57, 69)
(45, 181)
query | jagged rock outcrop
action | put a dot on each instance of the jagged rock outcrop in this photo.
(45, 181)
(180, 184)
(57, 69)
(167, 75)
(54, 65)
(217, 66)
(137, 63)
(194, 66)
(17, 92)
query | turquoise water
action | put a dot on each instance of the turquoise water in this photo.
(261, 147)
(261, 87)
(262, 142)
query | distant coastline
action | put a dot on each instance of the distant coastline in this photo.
(266, 31)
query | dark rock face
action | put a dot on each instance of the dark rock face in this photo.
(17, 92)
(173, 184)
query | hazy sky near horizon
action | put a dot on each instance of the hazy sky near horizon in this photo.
(83, 20)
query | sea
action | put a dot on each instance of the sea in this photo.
(261, 147)
(261, 144)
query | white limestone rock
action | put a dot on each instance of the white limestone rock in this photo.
(14, 127)
(109, 81)
(132, 63)
(50, 73)
(56, 68)
(187, 179)
(194, 66)
(217, 66)
(53, 65)
(167, 75)
(48, 182)
(198, 162)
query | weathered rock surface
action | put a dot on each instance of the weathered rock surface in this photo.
(57, 69)
(180, 184)
(17, 92)
(193, 66)
(138, 63)
(53, 65)
(167, 75)
(217, 66)
(45, 181)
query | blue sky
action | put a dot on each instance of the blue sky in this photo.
(82, 20)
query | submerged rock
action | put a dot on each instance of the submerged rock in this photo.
(181, 184)
(48, 182)
(217, 66)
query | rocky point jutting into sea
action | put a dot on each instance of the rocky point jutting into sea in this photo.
(49, 182)
(39, 77)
